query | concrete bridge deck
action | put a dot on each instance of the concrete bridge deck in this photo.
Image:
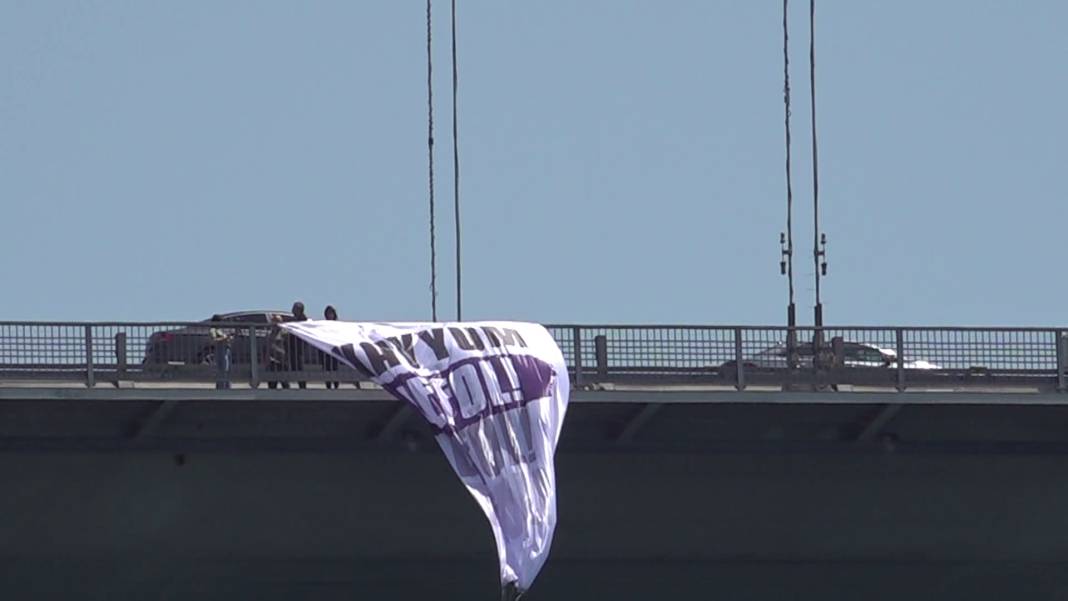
(195, 493)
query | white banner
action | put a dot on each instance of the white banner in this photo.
(495, 394)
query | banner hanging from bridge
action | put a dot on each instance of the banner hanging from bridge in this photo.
(495, 394)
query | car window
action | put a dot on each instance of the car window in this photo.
(802, 350)
(867, 355)
(248, 318)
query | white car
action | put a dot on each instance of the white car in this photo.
(855, 355)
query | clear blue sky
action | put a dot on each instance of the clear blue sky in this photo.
(621, 161)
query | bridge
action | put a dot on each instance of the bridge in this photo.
(631, 373)
(945, 359)
(752, 462)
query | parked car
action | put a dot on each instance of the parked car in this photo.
(192, 345)
(855, 354)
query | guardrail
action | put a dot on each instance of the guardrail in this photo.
(802, 358)
(806, 357)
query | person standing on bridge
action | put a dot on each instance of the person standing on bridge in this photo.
(329, 361)
(295, 348)
(220, 340)
(276, 352)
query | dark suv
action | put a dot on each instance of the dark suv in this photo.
(192, 345)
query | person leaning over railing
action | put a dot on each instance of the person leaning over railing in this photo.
(221, 340)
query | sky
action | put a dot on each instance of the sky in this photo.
(621, 161)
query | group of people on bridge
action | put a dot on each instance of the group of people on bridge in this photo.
(283, 351)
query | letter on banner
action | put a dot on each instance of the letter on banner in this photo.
(495, 394)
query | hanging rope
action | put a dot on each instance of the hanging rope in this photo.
(430, 162)
(816, 252)
(789, 180)
(456, 167)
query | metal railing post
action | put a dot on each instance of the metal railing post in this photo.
(838, 351)
(90, 377)
(576, 339)
(253, 358)
(1062, 360)
(899, 335)
(600, 345)
(120, 353)
(791, 348)
(739, 365)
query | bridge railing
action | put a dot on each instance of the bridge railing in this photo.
(729, 356)
(804, 356)
(160, 353)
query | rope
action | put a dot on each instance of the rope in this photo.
(456, 167)
(430, 162)
(815, 156)
(789, 180)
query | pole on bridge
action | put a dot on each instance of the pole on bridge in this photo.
(576, 337)
(90, 375)
(791, 336)
(1062, 360)
(739, 363)
(899, 347)
(253, 358)
(600, 348)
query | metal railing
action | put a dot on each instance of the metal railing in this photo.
(739, 357)
(742, 356)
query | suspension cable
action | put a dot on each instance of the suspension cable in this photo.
(789, 180)
(816, 252)
(430, 163)
(456, 168)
